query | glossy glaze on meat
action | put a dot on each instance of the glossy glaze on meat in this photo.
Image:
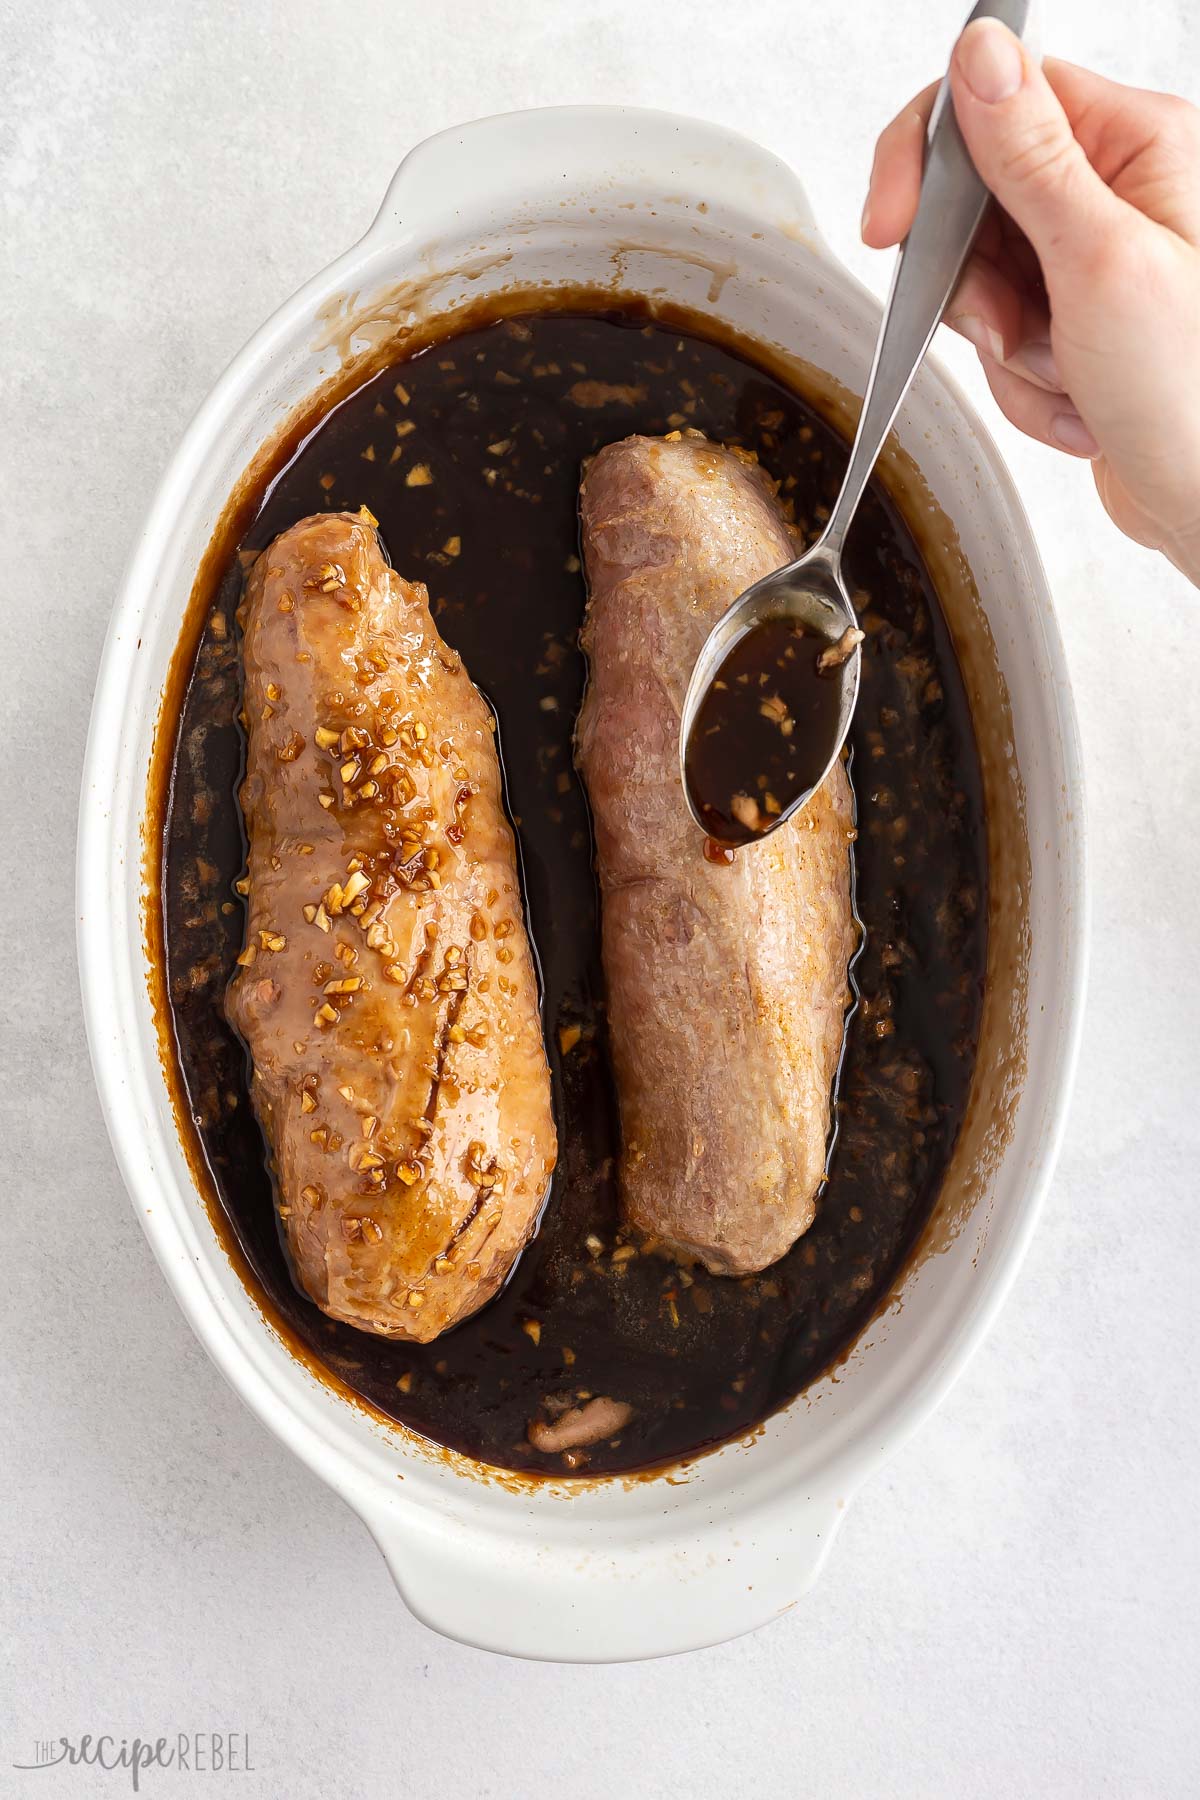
(727, 985)
(386, 990)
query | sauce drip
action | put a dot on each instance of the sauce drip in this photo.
(762, 734)
(470, 456)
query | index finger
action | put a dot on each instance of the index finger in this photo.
(896, 173)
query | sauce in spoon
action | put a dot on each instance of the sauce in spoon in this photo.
(761, 738)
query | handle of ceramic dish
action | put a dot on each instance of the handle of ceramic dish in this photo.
(514, 166)
(606, 1593)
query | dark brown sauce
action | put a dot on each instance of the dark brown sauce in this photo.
(762, 734)
(498, 418)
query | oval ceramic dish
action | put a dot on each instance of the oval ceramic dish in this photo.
(644, 203)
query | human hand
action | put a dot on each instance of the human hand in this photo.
(1082, 295)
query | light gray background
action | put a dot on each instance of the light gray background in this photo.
(1011, 1609)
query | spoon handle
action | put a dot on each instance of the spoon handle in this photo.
(951, 206)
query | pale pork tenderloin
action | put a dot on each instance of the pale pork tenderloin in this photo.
(727, 985)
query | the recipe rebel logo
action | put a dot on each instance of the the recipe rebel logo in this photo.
(189, 1752)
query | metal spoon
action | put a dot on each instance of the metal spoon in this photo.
(812, 590)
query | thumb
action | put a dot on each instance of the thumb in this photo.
(1021, 142)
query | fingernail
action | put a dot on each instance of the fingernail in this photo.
(1070, 433)
(987, 341)
(866, 218)
(1037, 359)
(990, 60)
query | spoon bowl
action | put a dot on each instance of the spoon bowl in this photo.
(810, 592)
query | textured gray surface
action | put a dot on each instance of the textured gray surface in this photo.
(1011, 1608)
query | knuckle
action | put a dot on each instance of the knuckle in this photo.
(1183, 127)
(1043, 156)
(1181, 115)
